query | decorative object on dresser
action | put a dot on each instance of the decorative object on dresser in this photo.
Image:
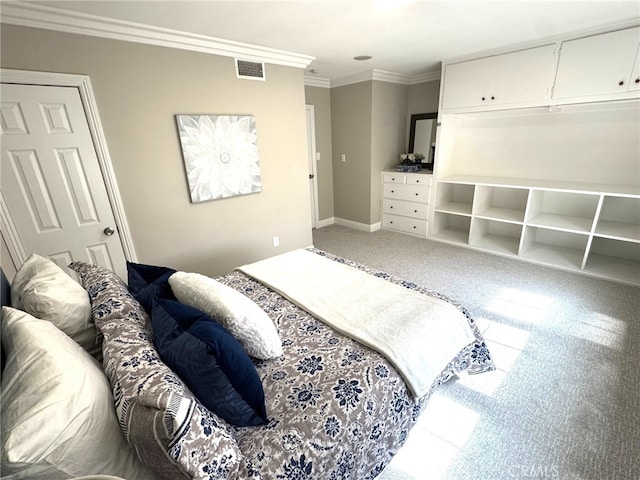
(405, 201)
(410, 162)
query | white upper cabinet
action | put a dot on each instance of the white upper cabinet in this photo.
(598, 65)
(524, 76)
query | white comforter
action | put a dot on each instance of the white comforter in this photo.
(418, 334)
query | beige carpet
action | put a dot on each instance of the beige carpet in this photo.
(564, 402)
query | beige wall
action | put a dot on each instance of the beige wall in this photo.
(388, 129)
(351, 135)
(423, 98)
(320, 98)
(370, 123)
(139, 89)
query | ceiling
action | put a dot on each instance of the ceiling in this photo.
(405, 37)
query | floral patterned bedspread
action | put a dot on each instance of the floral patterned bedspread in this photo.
(337, 409)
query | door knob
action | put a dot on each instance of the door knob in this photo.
(311, 175)
(109, 231)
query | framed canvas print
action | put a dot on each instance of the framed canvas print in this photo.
(220, 155)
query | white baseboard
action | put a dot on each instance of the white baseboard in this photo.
(357, 225)
(325, 222)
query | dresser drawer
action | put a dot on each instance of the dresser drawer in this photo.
(407, 178)
(405, 224)
(394, 177)
(411, 193)
(418, 179)
(406, 209)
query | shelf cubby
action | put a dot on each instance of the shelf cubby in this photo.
(614, 259)
(619, 218)
(451, 227)
(554, 247)
(496, 236)
(455, 198)
(500, 203)
(568, 211)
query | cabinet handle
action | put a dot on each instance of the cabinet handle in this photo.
(416, 194)
(393, 191)
(391, 207)
(393, 179)
(414, 227)
(493, 97)
(483, 99)
(415, 211)
(621, 82)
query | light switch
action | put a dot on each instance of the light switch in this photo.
(343, 157)
(317, 156)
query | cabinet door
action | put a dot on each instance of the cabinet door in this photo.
(524, 76)
(467, 83)
(512, 78)
(598, 64)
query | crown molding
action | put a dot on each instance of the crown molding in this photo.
(316, 82)
(425, 77)
(50, 18)
(385, 76)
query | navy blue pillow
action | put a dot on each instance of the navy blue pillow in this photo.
(148, 282)
(210, 361)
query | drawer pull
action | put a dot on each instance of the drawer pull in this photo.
(391, 207)
(393, 191)
(416, 194)
(415, 211)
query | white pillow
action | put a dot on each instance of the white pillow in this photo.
(58, 415)
(244, 319)
(43, 289)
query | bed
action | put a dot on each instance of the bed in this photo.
(312, 402)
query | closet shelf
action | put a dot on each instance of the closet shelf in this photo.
(618, 230)
(551, 185)
(503, 214)
(567, 223)
(456, 208)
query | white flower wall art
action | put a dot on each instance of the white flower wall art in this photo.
(220, 155)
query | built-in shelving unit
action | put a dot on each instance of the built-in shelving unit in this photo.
(538, 154)
(575, 226)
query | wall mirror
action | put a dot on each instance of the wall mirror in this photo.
(422, 136)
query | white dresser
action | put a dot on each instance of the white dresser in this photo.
(405, 201)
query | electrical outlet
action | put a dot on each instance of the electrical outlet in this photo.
(276, 242)
(343, 157)
(317, 156)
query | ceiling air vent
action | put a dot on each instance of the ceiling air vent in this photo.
(251, 70)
